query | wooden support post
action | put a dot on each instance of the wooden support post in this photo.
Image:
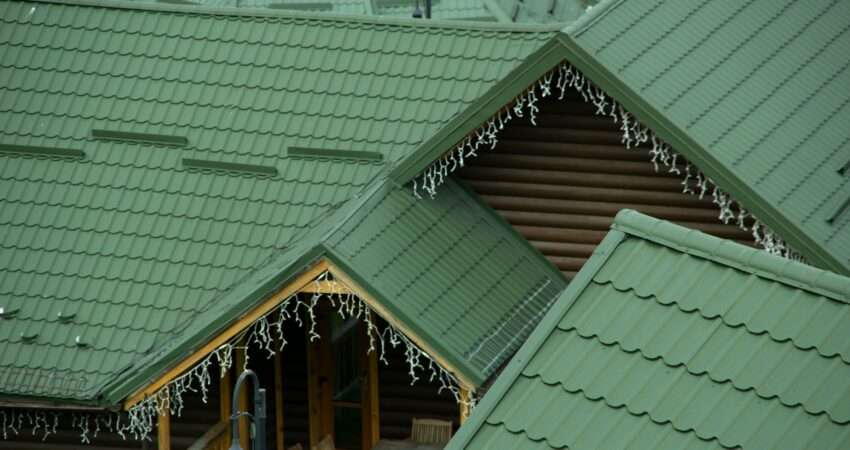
(278, 398)
(163, 438)
(225, 403)
(313, 390)
(326, 376)
(320, 378)
(464, 405)
(244, 404)
(370, 401)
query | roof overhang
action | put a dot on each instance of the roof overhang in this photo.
(563, 47)
(152, 381)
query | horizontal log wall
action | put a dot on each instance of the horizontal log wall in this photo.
(400, 402)
(561, 183)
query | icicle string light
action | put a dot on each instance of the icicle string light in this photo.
(261, 335)
(265, 334)
(46, 423)
(559, 82)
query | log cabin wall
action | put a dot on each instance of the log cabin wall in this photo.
(561, 183)
(400, 402)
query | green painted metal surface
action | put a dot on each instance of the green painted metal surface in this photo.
(129, 240)
(670, 338)
(455, 270)
(760, 88)
(449, 269)
(752, 95)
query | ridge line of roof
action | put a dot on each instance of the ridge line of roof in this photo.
(349, 208)
(756, 262)
(464, 25)
(590, 17)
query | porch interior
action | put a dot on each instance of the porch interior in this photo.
(316, 391)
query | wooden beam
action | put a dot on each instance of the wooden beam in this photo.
(243, 400)
(212, 439)
(225, 402)
(376, 306)
(325, 287)
(370, 401)
(278, 399)
(464, 405)
(245, 321)
(163, 433)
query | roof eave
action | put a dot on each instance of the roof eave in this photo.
(156, 365)
(469, 377)
(563, 47)
(534, 67)
(702, 158)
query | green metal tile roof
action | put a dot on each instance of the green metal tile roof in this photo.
(670, 338)
(131, 239)
(758, 89)
(753, 95)
(450, 269)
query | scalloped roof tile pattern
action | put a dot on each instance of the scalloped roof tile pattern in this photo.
(760, 85)
(128, 240)
(665, 344)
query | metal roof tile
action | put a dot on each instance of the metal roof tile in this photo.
(652, 372)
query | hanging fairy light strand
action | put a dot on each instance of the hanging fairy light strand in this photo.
(564, 79)
(267, 334)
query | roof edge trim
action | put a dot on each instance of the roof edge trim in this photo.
(294, 14)
(682, 143)
(524, 355)
(338, 268)
(722, 251)
(181, 356)
(495, 99)
(589, 18)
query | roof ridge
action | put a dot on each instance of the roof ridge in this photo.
(733, 254)
(462, 25)
(591, 15)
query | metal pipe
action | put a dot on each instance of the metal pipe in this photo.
(258, 418)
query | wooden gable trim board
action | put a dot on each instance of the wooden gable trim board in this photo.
(383, 312)
(232, 331)
(302, 283)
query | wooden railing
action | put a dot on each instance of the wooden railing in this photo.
(213, 439)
